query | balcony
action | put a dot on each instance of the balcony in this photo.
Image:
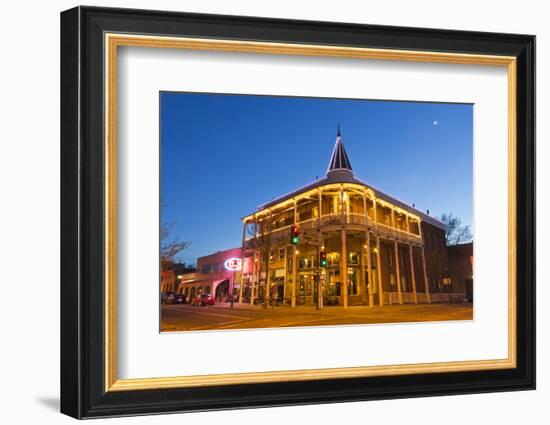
(330, 219)
(339, 219)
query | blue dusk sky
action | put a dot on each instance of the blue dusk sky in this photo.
(223, 155)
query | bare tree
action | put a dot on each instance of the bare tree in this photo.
(263, 241)
(169, 247)
(455, 232)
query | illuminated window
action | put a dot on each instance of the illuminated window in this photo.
(306, 262)
(333, 258)
(352, 282)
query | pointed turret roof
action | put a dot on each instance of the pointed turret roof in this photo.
(340, 171)
(339, 161)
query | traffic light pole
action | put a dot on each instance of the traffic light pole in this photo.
(318, 280)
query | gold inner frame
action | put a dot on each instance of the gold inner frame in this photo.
(113, 41)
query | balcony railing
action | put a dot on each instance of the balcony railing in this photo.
(339, 219)
(343, 219)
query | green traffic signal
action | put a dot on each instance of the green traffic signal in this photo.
(295, 235)
(323, 258)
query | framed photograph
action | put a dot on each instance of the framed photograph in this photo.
(261, 212)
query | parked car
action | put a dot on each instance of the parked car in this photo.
(171, 299)
(207, 299)
(204, 299)
(180, 299)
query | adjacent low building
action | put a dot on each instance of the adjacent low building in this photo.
(212, 276)
(461, 269)
(169, 279)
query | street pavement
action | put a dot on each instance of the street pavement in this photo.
(184, 317)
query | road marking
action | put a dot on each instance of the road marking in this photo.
(177, 310)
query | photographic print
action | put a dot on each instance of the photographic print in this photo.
(293, 211)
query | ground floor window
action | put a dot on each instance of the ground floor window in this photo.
(305, 284)
(353, 258)
(352, 282)
(372, 283)
(333, 287)
(278, 288)
(261, 291)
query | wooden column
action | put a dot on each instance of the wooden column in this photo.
(426, 285)
(294, 277)
(344, 267)
(294, 265)
(363, 280)
(320, 271)
(320, 206)
(267, 281)
(365, 211)
(370, 285)
(415, 297)
(397, 272)
(342, 205)
(242, 265)
(379, 273)
(285, 281)
(253, 280)
(375, 211)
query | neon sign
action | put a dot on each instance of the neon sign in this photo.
(233, 264)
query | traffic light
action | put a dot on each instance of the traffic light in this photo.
(295, 235)
(323, 259)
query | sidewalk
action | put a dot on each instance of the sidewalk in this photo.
(333, 309)
(248, 306)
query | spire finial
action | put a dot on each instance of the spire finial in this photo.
(339, 160)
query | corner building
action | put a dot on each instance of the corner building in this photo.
(379, 250)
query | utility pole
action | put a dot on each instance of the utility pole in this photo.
(232, 288)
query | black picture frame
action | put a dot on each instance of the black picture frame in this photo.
(82, 212)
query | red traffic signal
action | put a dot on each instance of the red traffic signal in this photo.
(294, 235)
